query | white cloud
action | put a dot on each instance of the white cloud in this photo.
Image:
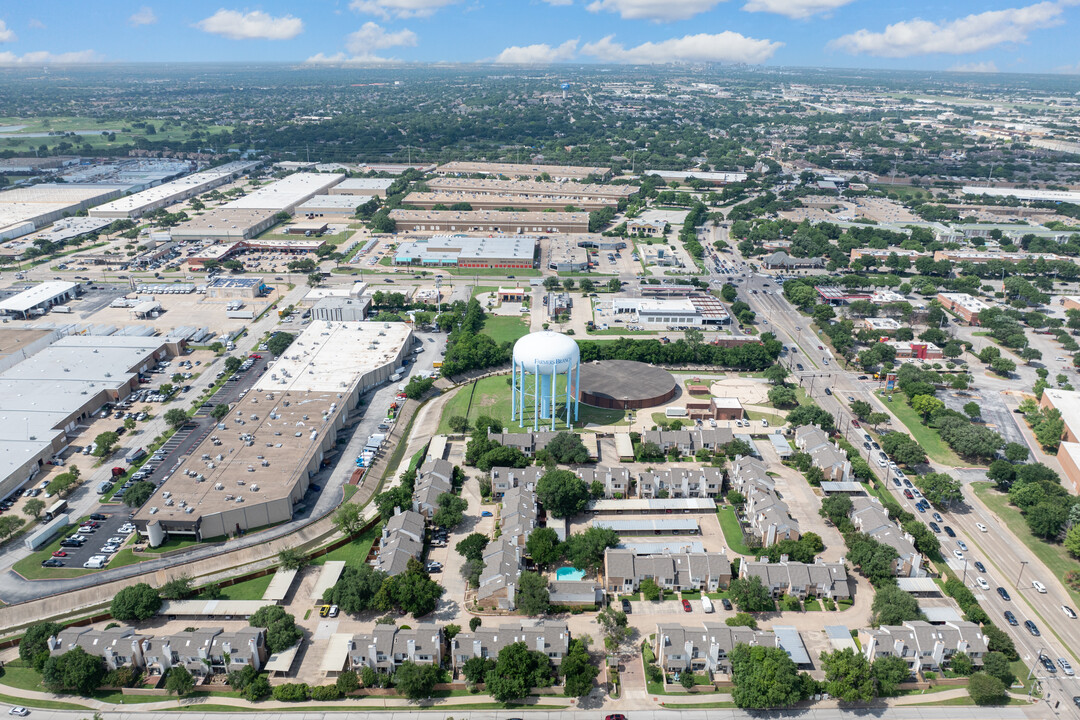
(35, 23)
(6, 33)
(975, 67)
(144, 16)
(559, 2)
(730, 47)
(343, 59)
(797, 9)
(253, 25)
(387, 9)
(955, 37)
(43, 57)
(662, 10)
(538, 54)
(374, 37)
(1068, 69)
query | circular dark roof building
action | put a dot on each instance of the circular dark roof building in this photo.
(625, 384)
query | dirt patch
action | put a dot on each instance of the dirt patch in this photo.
(751, 391)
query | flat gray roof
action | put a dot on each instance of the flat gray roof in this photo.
(31, 298)
(672, 524)
(792, 643)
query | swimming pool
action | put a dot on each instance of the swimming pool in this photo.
(569, 573)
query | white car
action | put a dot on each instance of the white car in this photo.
(982, 528)
(881, 463)
(1039, 587)
(981, 582)
(20, 711)
(1068, 611)
(958, 555)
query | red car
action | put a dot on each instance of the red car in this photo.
(908, 495)
(686, 605)
(91, 523)
(59, 553)
(255, 357)
(615, 717)
(854, 423)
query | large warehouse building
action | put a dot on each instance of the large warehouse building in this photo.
(223, 224)
(252, 473)
(493, 221)
(362, 186)
(515, 170)
(166, 194)
(493, 201)
(286, 194)
(45, 397)
(512, 251)
(24, 210)
(39, 298)
(554, 190)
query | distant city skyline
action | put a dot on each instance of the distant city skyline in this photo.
(994, 36)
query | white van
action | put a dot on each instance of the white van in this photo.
(706, 604)
(95, 563)
(1038, 586)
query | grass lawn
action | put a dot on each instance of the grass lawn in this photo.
(41, 704)
(732, 532)
(483, 289)
(927, 437)
(356, 552)
(505, 329)
(349, 491)
(758, 416)
(491, 396)
(964, 701)
(252, 589)
(812, 605)
(1055, 557)
(486, 272)
(620, 331)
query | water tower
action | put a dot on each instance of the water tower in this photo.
(540, 360)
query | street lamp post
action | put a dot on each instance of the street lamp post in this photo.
(1023, 564)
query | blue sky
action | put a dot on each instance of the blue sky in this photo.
(983, 35)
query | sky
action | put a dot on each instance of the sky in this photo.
(961, 35)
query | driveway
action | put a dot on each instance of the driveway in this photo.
(804, 503)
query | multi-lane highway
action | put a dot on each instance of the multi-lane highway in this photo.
(1008, 562)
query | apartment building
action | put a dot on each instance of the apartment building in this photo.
(504, 558)
(801, 580)
(703, 482)
(766, 514)
(706, 649)
(824, 454)
(203, 652)
(963, 305)
(504, 478)
(688, 442)
(434, 478)
(925, 647)
(386, 647)
(869, 517)
(616, 481)
(551, 637)
(402, 540)
(625, 569)
(118, 647)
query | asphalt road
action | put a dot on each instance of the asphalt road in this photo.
(998, 549)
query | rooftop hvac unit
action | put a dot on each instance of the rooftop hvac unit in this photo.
(189, 510)
(219, 486)
(153, 510)
(251, 468)
(228, 497)
(199, 478)
(166, 494)
(266, 463)
(254, 487)
(169, 502)
(299, 434)
(220, 457)
(210, 466)
(239, 498)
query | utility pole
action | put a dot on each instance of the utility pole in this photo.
(1023, 564)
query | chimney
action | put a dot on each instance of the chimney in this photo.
(53, 642)
(226, 647)
(253, 650)
(477, 648)
(783, 558)
(372, 654)
(411, 648)
(540, 643)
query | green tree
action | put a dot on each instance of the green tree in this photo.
(292, 558)
(729, 292)
(764, 677)
(649, 589)
(585, 550)
(476, 668)
(543, 546)
(776, 374)
(9, 525)
(177, 589)
(1016, 452)
(893, 606)
(577, 670)
(35, 642)
(281, 630)
(889, 672)
(74, 671)
(347, 682)
(348, 520)
(532, 595)
(279, 342)
(614, 626)
(179, 681)
(997, 665)
(741, 619)
(415, 681)
(412, 591)
(139, 493)
(472, 546)
(33, 508)
(451, 510)
(1072, 541)
(1047, 519)
(517, 671)
(135, 603)
(848, 676)
(782, 396)
(104, 443)
(961, 664)
(986, 689)
(940, 489)
(567, 448)
(750, 595)
(458, 424)
(355, 590)
(562, 493)
(973, 410)
(927, 406)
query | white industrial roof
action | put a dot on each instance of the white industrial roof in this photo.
(333, 202)
(1025, 193)
(36, 295)
(191, 184)
(365, 184)
(330, 356)
(288, 191)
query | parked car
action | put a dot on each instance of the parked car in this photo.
(486, 513)
(686, 605)
(627, 607)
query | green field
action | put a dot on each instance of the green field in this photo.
(1055, 557)
(926, 436)
(504, 329)
(354, 553)
(492, 397)
(95, 125)
(732, 532)
(252, 589)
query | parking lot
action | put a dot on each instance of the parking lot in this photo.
(95, 538)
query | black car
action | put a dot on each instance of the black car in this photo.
(98, 516)
(980, 567)
(70, 543)
(896, 482)
(1076, 700)
(828, 391)
(52, 562)
(627, 607)
(934, 526)
(1004, 594)
(1010, 618)
(799, 366)
(949, 531)
(1032, 628)
(1048, 664)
